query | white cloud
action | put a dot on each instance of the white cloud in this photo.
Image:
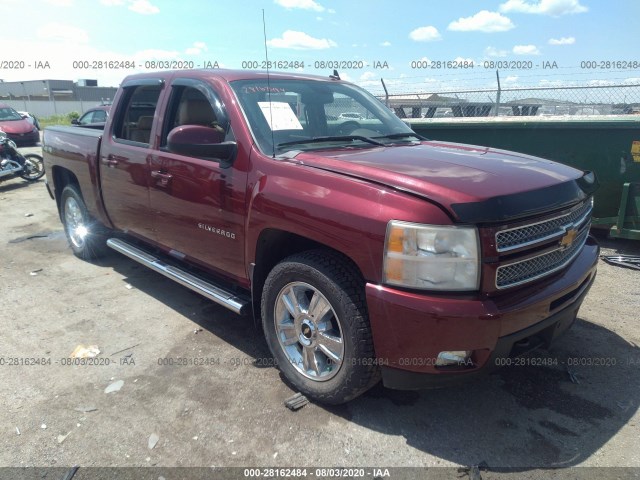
(385, 44)
(562, 41)
(367, 76)
(600, 83)
(301, 41)
(371, 83)
(55, 50)
(331, 10)
(553, 83)
(60, 3)
(61, 32)
(483, 21)
(511, 79)
(425, 34)
(555, 8)
(494, 52)
(143, 7)
(196, 49)
(303, 4)
(526, 50)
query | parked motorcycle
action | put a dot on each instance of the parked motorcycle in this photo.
(15, 164)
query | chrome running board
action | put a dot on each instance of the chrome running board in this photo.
(213, 292)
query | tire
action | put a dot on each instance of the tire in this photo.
(33, 167)
(86, 236)
(316, 324)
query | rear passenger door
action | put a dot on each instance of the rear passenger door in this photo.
(199, 202)
(125, 157)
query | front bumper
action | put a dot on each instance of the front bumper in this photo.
(410, 329)
(25, 139)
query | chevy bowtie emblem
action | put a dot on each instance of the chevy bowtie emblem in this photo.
(569, 237)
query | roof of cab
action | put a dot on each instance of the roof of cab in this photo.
(228, 75)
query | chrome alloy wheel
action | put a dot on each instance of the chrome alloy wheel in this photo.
(74, 222)
(309, 331)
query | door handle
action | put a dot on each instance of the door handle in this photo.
(111, 161)
(162, 179)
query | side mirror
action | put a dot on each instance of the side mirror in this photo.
(202, 142)
(75, 121)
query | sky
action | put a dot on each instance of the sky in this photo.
(414, 45)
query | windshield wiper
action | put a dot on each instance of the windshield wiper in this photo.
(339, 138)
(394, 136)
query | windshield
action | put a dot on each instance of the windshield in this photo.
(312, 114)
(7, 113)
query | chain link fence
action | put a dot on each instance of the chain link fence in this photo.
(530, 101)
(595, 99)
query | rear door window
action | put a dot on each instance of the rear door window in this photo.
(134, 122)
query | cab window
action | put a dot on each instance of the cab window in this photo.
(136, 119)
(190, 105)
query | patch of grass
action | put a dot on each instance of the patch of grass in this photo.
(54, 120)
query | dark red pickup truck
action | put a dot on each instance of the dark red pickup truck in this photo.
(367, 251)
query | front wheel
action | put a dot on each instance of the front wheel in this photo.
(86, 236)
(316, 325)
(33, 167)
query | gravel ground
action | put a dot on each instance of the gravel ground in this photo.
(230, 412)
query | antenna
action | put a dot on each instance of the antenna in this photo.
(266, 56)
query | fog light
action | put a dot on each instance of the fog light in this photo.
(453, 358)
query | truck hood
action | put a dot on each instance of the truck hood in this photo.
(474, 184)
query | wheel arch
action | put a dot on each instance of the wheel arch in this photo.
(273, 246)
(61, 178)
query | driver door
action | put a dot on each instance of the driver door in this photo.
(199, 203)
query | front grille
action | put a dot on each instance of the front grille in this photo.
(528, 270)
(518, 237)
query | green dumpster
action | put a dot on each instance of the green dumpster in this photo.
(606, 145)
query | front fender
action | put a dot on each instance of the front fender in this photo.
(346, 214)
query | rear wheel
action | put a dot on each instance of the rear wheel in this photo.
(33, 167)
(86, 236)
(316, 324)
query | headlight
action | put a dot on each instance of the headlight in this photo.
(431, 257)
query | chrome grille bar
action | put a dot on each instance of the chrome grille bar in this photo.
(530, 234)
(530, 269)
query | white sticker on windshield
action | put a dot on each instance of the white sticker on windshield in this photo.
(280, 116)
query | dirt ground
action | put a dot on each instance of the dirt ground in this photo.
(583, 412)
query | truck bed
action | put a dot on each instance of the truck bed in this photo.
(76, 149)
